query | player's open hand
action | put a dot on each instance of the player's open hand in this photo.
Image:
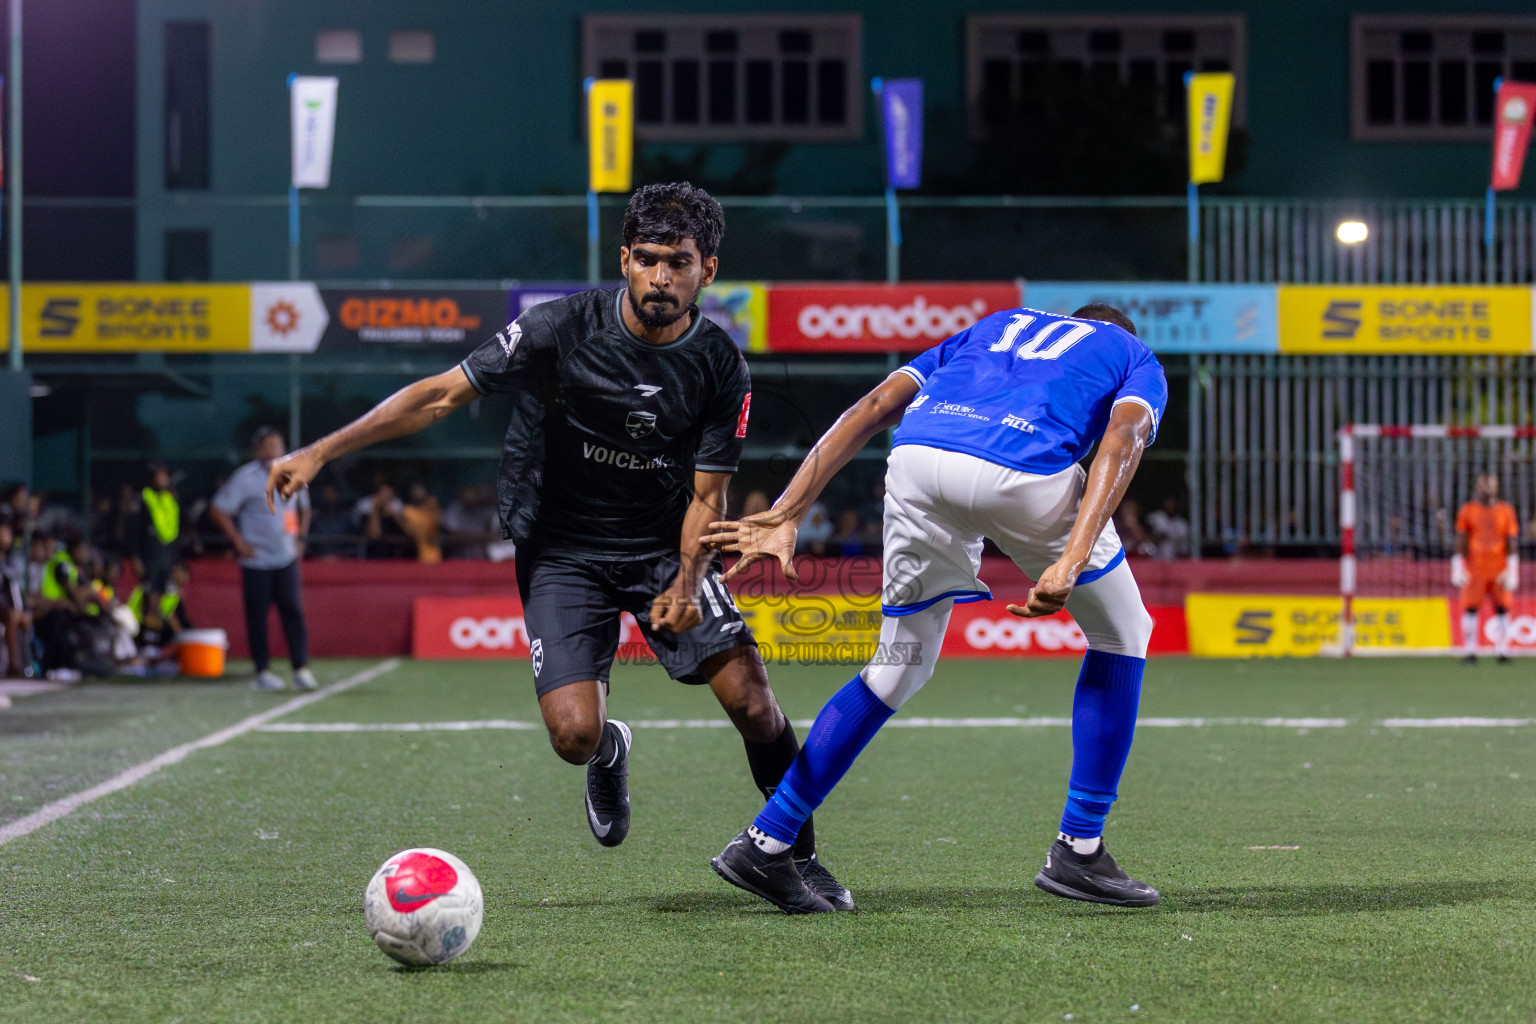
(768, 534)
(675, 610)
(291, 474)
(1049, 594)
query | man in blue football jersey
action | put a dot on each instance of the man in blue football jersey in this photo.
(993, 422)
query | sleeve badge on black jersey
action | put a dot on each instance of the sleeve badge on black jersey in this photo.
(741, 421)
(508, 337)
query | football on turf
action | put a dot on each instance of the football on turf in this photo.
(423, 907)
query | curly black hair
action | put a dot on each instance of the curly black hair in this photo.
(669, 213)
(1104, 312)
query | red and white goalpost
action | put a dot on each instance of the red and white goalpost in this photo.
(1400, 487)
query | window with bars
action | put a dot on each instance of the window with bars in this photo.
(749, 77)
(1419, 78)
(1010, 58)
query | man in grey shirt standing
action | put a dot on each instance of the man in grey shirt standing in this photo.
(268, 543)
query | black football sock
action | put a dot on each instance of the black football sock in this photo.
(609, 747)
(769, 761)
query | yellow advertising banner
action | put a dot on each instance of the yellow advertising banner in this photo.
(814, 628)
(1271, 625)
(610, 134)
(133, 317)
(1209, 95)
(1410, 319)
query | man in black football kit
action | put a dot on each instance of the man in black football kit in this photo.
(628, 413)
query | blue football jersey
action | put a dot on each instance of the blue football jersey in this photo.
(1029, 390)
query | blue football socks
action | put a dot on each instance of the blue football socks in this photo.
(842, 729)
(1103, 723)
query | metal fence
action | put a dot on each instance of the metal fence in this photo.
(1263, 468)
(835, 237)
(1413, 242)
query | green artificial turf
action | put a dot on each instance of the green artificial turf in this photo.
(229, 886)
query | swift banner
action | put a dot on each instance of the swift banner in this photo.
(1175, 317)
(878, 318)
(610, 134)
(1514, 107)
(1209, 97)
(1409, 319)
(901, 105)
(1269, 625)
(312, 104)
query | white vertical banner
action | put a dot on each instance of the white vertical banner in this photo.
(313, 104)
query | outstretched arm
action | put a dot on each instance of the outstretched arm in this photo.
(1130, 427)
(408, 410)
(772, 533)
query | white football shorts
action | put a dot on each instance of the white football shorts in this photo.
(940, 504)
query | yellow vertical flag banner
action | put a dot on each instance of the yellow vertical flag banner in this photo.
(1210, 115)
(610, 134)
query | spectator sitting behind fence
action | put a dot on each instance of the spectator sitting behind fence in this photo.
(268, 542)
(15, 620)
(470, 523)
(849, 539)
(1170, 531)
(757, 501)
(1133, 532)
(419, 518)
(16, 508)
(160, 616)
(63, 608)
(379, 521)
(815, 531)
(330, 530)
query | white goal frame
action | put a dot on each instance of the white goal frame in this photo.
(1347, 508)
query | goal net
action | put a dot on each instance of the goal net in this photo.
(1400, 490)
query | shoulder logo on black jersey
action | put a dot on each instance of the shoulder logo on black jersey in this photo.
(648, 390)
(508, 338)
(640, 424)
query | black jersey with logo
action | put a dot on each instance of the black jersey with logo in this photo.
(607, 429)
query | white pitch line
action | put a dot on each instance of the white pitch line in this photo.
(1457, 723)
(490, 723)
(59, 808)
(1267, 723)
(721, 723)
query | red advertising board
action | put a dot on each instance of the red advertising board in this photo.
(1522, 626)
(480, 627)
(985, 629)
(492, 627)
(878, 317)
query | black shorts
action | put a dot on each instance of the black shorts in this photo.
(571, 609)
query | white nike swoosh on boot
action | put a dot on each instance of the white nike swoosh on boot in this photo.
(598, 828)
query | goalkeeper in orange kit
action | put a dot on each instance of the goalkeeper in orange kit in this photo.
(1486, 564)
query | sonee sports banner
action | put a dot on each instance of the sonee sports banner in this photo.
(1409, 319)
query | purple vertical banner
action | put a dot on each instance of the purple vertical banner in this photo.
(901, 104)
